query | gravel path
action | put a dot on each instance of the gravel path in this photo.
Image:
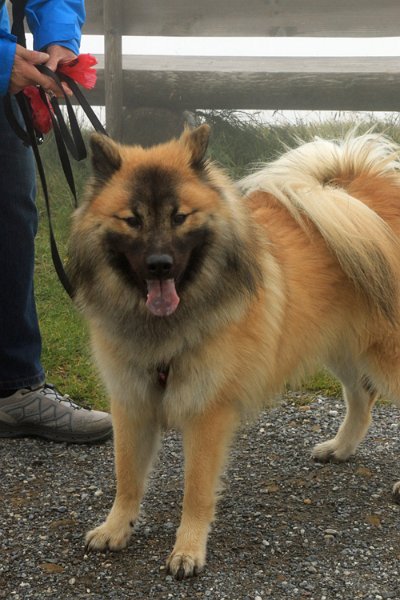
(287, 527)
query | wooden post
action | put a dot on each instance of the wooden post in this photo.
(113, 67)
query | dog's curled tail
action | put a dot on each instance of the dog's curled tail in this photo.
(305, 181)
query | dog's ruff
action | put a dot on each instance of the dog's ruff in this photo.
(243, 294)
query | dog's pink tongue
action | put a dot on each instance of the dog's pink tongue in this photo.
(162, 299)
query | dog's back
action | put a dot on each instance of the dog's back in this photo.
(348, 191)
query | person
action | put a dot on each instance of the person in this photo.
(29, 405)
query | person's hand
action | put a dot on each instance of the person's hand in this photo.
(25, 73)
(57, 56)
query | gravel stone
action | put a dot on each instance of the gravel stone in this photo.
(287, 527)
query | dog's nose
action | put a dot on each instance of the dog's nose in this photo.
(159, 266)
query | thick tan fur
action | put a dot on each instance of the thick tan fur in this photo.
(303, 271)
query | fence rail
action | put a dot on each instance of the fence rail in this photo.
(187, 83)
(265, 18)
(190, 82)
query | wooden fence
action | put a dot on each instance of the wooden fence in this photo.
(180, 83)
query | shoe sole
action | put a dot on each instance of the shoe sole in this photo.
(8, 431)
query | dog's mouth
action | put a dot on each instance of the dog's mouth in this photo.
(162, 298)
(161, 295)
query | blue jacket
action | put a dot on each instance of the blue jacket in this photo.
(50, 21)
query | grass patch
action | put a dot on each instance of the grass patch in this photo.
(66, 350)
(323, 383)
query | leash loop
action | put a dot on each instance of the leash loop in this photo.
(68, 139)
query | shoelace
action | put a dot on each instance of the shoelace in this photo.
(48, 389)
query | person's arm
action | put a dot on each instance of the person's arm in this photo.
(56, 25)
(56, 22)
(17, 65)
(8, 45)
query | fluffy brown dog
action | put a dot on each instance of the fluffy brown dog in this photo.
(203, 303)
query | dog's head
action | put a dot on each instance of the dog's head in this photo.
(152, 216)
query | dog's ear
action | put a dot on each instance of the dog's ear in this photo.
(196, 141)
(106, 158)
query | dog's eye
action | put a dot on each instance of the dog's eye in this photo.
(179, 218)
(134, 222)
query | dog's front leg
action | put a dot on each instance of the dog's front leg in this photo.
(206, 440)
(135, 444)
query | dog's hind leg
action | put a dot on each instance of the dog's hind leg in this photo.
(360, 396)
(385, 360)
(206, 440)
(135, 442)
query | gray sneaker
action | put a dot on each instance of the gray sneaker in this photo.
(45, 412)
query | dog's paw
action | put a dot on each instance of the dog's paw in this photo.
(331, 451)
(396, 492)
(182, 565)
(108, 537)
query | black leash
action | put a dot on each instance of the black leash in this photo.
(67, 138)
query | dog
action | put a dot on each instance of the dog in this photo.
(204, 297)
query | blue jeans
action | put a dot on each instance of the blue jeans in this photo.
(20, 340)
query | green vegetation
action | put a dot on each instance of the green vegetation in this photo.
(66, 349)
(241, 141)
(237, 143)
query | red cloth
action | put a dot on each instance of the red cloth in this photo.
(40, 112)
(81, 70)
